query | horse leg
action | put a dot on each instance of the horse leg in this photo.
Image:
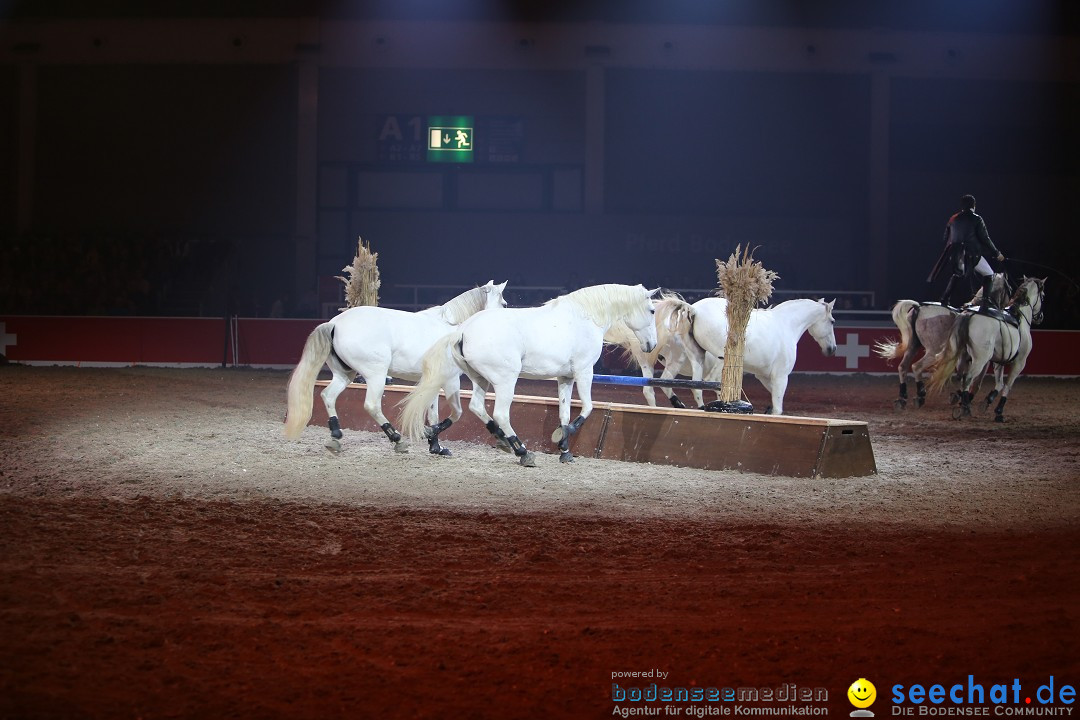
(916, 369)
(500, 424)
(672, 359)
(376, 382)
(776, 386)
(963, 398)
(1014, 372)
(452, 387)
(713, 372)
(696, 355)
(646, 368)
(562, 434)
(902, 370)
(963, 366)
(478, 407)
(970, 379)
(999, 371)
(669, 372)
(330, 393)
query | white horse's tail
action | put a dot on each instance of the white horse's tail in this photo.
(945, 366)
(438, 362)
(316, 350)
(901, 315)
(674, 316)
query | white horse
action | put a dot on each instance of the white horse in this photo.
(562, 339)
(376, 342)
(673, 317)
(926, 327)
(772, 337)
(978, 339)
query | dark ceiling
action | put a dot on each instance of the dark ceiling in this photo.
(1043, 17)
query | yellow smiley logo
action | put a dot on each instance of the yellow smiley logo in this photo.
(862, 693)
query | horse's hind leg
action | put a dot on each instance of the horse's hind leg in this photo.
(432, 431)
(500, 423)
(452, 387)
(678, 355)
(917, 368)
(376, 383)
(902, 371)
(970, 380)
(477, 406)
(669, 372)
(330, 393)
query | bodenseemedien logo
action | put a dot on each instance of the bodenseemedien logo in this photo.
(862, 694)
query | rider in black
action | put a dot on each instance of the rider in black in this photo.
(968, 244)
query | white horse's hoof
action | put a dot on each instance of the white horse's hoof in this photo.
(401, 446)
(501, 444)
(566, 457)
(557, 436)
(900, 404)
(528, 460)
(333, 445)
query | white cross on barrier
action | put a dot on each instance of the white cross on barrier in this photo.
(852, 350)
(6, 339)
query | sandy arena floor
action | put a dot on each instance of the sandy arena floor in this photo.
(165, 553)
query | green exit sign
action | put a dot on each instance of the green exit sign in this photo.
(450, 138)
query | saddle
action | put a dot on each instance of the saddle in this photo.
(1003, 315)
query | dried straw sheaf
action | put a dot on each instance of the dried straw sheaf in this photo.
(745, 284)
(362, 285)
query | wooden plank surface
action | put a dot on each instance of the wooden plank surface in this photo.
(768, 444)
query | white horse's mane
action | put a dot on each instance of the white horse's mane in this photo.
(465, 305)
(603, 304)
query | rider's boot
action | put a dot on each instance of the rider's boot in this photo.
(948, 290)
(987, 306)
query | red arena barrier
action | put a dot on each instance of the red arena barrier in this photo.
(277, 343)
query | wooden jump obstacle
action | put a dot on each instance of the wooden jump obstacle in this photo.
(767, 444)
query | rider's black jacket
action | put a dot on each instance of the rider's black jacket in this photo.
(967, 230)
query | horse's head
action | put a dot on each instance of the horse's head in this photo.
(494, 295)
(822, 328)
(1031, 293)
(641, 321)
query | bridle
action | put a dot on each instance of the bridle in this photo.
(1036, 308)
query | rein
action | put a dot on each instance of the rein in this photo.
(1045, 267)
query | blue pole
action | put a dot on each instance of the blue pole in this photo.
(655, 382)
